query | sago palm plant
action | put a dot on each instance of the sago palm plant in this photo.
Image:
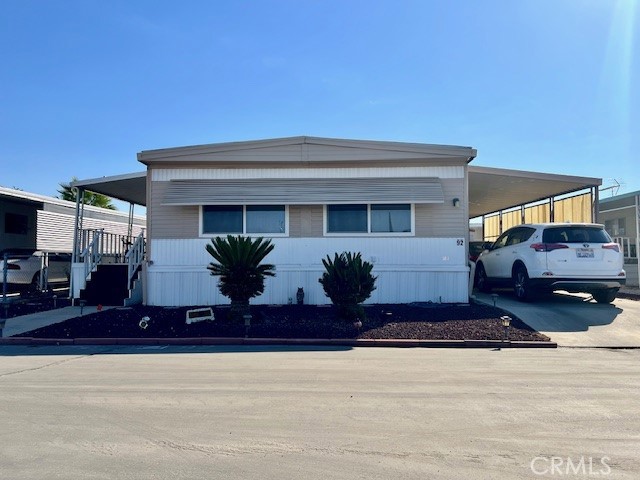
(240, 269)
(348, 282)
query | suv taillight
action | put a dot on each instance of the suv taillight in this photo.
(547, 247)
(612, 246)
(13, 266)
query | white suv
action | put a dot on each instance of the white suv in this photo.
(576, 257)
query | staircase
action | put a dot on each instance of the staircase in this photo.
(112, 277)
(107, 286)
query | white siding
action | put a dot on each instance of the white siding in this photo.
(162, 174)
(408, 269)
(55, 230)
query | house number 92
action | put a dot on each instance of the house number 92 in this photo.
(460, 242)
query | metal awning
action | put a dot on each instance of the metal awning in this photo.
(490, 189)
(494, 189)
(130, 187)
(304, 191)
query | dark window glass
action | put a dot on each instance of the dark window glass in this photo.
(575, 234)
(265, 219)
(391, 218)
(222, 219)
(16, 224)
(501, 241)
(347, 218)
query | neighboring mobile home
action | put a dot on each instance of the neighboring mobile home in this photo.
(31, 222)
(621, 217)
(398, 204)
(39, 222)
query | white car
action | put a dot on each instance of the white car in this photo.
(531, 258)
(24, 268)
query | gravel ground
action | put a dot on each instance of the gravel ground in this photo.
(413, 321)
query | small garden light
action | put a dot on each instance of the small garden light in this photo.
(506, 323)
(144, 323)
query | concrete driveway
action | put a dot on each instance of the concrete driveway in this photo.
(318, 413)
(575, 320)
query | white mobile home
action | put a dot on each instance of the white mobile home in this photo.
(400, 205)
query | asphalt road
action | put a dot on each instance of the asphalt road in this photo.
(575, 320)
(324, 413)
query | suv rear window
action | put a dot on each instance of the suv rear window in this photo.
(577, 234)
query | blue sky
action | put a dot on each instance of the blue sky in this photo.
(542, 85)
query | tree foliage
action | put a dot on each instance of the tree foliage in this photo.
(240, 268)
(348, 282)
(90, 198)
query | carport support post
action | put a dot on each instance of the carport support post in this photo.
(637, 234)
(5, 267)
(76, 235)
(595, 201)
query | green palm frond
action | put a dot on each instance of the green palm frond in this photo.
(348, 281)
(239, 265)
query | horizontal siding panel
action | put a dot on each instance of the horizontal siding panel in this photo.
(304, 191)
(93, 212)
(166, 174)
(55, 230)
(409, 269)
(180, 288)
(405, 251)
(443, 220)
(170, 221)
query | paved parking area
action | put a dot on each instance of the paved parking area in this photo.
(317, 413)
(574, 320)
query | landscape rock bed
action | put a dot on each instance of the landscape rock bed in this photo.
(422, 321)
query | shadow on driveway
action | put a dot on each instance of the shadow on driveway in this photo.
(80, 350)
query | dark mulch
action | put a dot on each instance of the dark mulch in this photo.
(412, 321)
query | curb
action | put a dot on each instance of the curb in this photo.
(344, 342)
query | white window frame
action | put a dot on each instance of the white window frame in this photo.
(244, 223)
(369, 233)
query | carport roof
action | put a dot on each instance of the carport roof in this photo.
(490, 189)
(130, 187)
(494, 189)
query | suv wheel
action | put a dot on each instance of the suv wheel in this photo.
(482, 282)
(521, 287)
(605, 296)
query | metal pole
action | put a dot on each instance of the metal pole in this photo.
(595, 204)
(130, 226)
(5, 267)
(637, 235)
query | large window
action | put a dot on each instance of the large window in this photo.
(240, 219)
(380, 219)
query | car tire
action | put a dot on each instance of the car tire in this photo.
(34, 286)
(605, 296)
(481, 280)
(521, 285)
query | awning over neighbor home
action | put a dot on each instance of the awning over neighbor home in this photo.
(130, 187)
(305, 191)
